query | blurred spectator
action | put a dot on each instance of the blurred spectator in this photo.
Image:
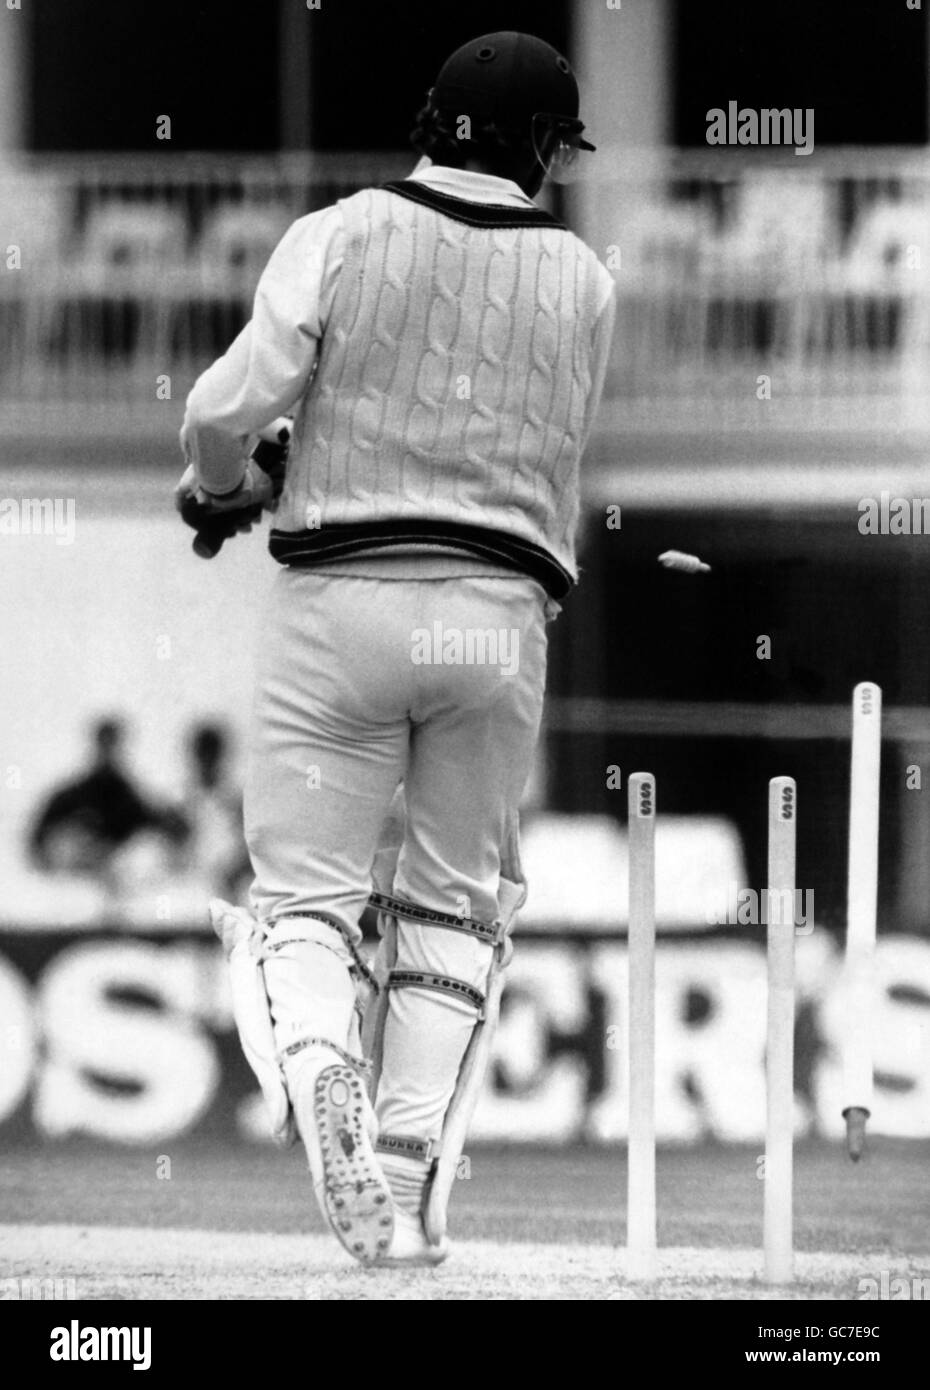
(86, 822)
(213, 808)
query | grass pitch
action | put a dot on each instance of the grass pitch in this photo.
(531, 1224)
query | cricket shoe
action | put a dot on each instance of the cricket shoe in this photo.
(408, 1180)
(350, 1187)
(410, 1246)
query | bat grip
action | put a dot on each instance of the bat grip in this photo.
(208, 542)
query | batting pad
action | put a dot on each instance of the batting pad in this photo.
(243, 943)
(395, 969)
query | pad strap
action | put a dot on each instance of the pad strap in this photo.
(357, 1063)
(439, 984)
(408, 1146)
(489, 932)
(275, 941)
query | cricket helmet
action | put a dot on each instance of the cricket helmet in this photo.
(518, 83)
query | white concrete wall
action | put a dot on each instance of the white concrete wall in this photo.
(13, 40)
(623, 59)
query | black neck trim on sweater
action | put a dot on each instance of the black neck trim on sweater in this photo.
(472, 214)
(343, 540)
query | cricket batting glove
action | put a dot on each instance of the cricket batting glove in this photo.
(216, 518)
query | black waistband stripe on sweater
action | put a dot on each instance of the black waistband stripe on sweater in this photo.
(343, 540)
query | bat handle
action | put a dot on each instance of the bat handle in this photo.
(207, 544)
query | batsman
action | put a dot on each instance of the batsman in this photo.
(439, 345)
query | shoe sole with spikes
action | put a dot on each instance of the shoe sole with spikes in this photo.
(355, 1196)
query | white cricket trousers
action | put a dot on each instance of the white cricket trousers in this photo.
(354, 693)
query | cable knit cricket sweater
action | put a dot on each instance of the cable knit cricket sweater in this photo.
(452, 396)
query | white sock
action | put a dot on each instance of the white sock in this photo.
(406, 1178)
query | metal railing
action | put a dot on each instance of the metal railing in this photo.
(136, 270)
(727, 273)
(790, 294)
